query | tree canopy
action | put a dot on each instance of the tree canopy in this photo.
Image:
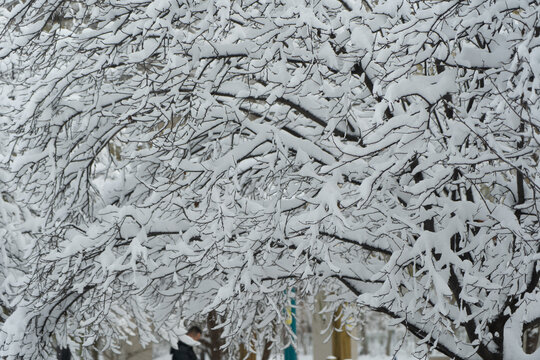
(183, 156)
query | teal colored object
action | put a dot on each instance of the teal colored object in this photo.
(290, 352)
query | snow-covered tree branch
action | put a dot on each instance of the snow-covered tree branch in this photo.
(189, 156)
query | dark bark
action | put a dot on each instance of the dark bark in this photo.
(531, 340)
(214, 335)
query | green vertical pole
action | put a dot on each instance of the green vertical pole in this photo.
(290, 352)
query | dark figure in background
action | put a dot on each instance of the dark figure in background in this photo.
(185, 351)
(63, 354)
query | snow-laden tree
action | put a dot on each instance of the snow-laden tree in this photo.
(195, 155)
(17, 224)
(13, 221)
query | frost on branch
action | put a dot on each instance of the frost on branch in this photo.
(190, 156)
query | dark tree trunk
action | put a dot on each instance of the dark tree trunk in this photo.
(267, 351)
(531, 340)
(214, 335)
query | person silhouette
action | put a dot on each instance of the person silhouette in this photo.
(185, 345)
